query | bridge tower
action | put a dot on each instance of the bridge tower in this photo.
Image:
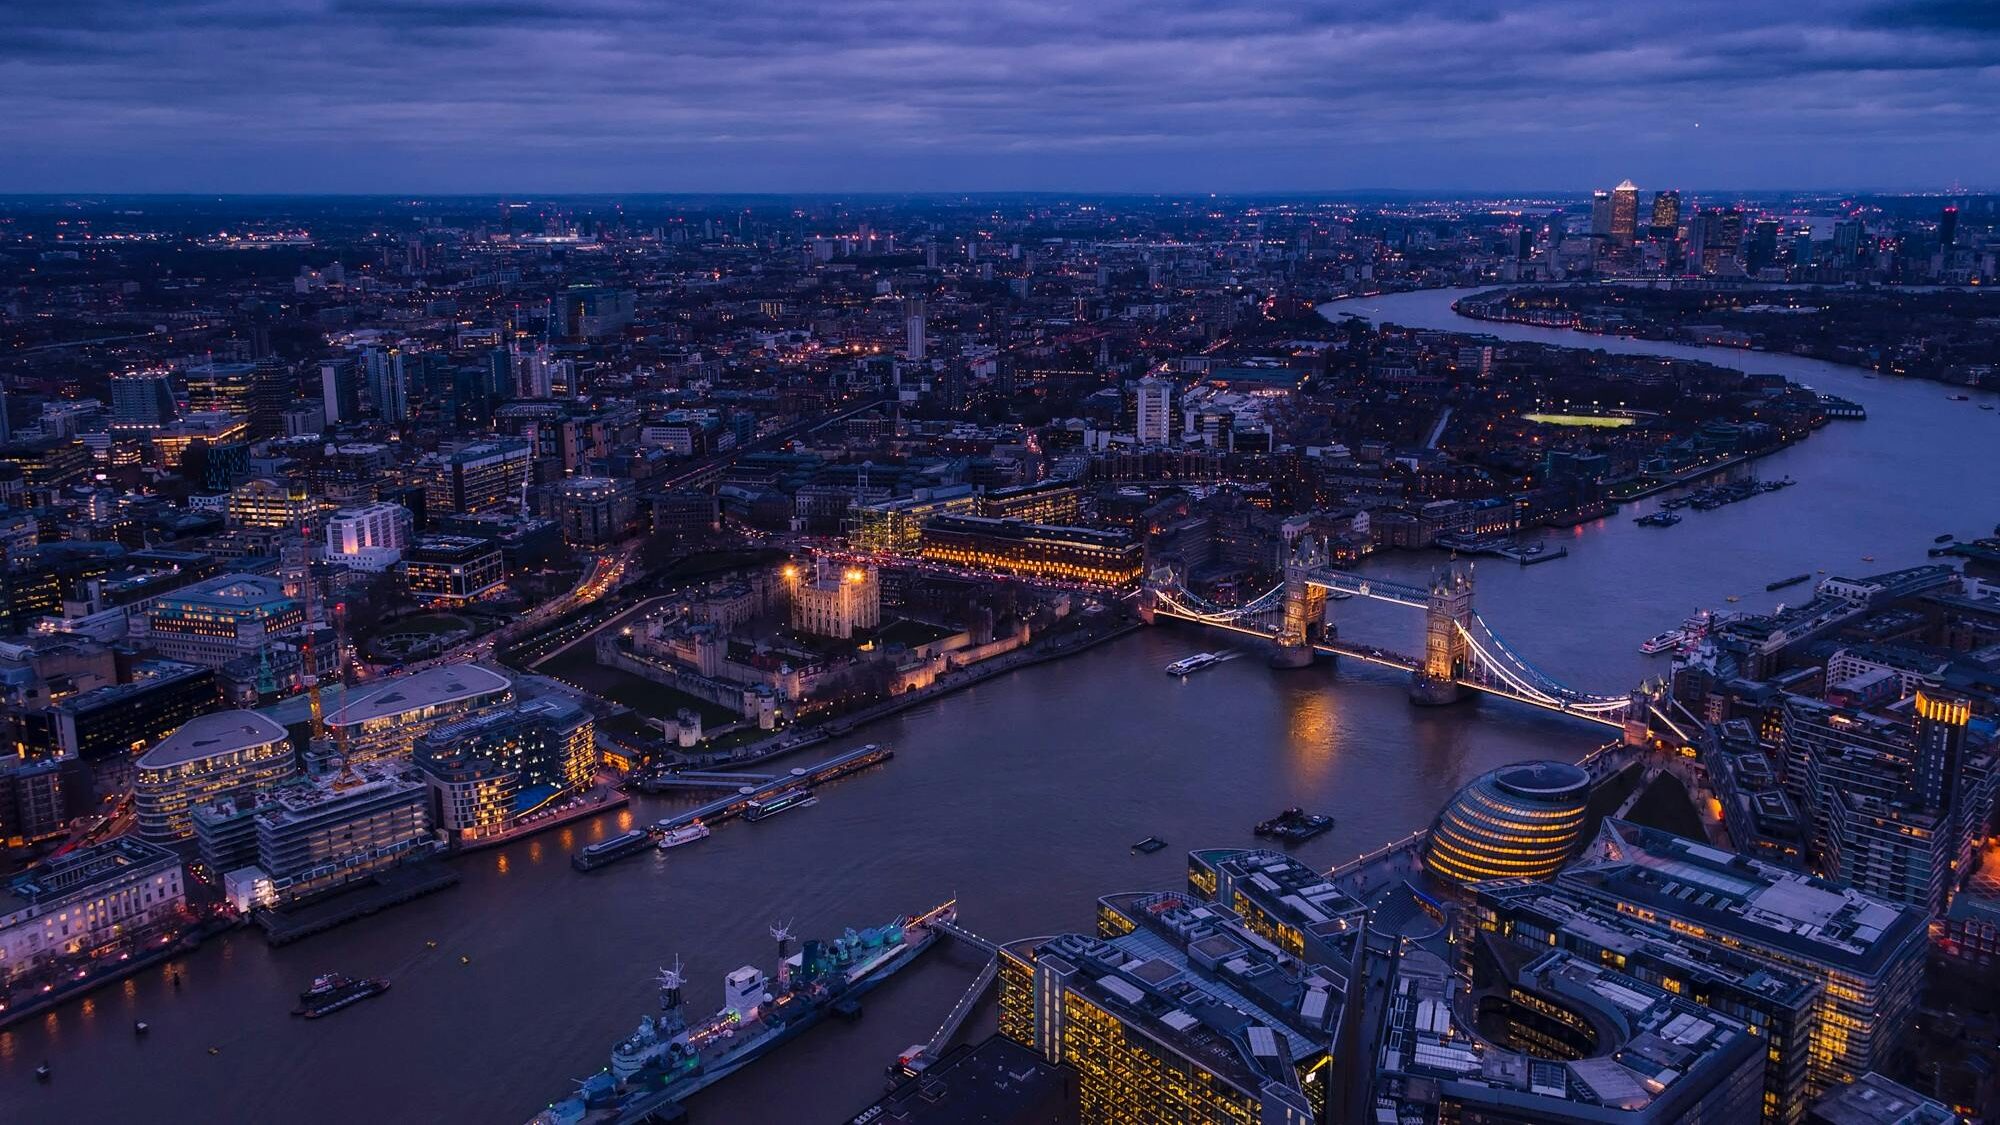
(1305, 609)
(1447, 653)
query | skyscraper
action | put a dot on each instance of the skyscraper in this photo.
(1666, 214)
(1941, 721)
(1762, 251)
(257, 392)
(1625, 213)
(340, 390)
(913, 327)
(1152, 418)
(1948, 227)
(1847, 241)
(142, 400)
(1600, 214)
(389, 384)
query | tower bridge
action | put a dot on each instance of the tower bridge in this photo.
(1461, 652)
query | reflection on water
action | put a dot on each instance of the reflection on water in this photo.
(1312, 735)
(1021, 797)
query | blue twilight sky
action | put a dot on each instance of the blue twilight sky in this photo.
(1111, 95)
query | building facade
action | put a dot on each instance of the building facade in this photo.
(209, 757)
(384, 720)
(488, 769)
(85, 900)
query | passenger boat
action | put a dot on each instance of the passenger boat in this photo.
(685, 834)
(796, 798)
(1192, 664)
(1149, 845)
(1654, 645)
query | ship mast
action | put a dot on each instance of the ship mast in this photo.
(781, 932)
(670, 981)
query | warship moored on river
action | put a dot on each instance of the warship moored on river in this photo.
(667, 1058)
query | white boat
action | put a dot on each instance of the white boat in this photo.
(1191, 664)
(685, 834)
(1652, 646)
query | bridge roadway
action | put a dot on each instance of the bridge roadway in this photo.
(1390, 659)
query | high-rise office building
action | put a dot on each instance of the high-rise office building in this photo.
(1666, 214)
(142, 401)
(913, 328)
(1153, 412)
(256, 392)
(1600, 214)
(1847, 236)
(388, 383)
(340, 390)
(1625, 213)
(1761, 252)
(1948, 227)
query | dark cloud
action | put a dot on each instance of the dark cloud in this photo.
(435, 95)
(1982, 16)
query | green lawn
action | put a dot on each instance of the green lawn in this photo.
(652, 700)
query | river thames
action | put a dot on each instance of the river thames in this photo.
(1019, 796)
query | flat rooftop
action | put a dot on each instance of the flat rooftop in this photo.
(205, 736)
(229, 591)
(431, 687)
(1757, 902)
(112, 860)
(1874, 1100)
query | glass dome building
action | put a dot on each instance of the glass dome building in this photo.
(1522, 821)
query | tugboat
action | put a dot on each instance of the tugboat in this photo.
(330, 992)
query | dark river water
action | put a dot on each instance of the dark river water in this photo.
(1020, 797)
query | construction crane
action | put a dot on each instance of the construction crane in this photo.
(301, 573)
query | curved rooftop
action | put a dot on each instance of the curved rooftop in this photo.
(1543, 780)
(431, 687)
(1521, 821)
(207, 736)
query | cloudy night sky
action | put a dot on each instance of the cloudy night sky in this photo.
(915, 95)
